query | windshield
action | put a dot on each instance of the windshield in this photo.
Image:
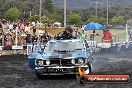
(65, 46)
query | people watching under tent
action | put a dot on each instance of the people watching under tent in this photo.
(92, 36)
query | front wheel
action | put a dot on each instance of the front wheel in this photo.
(39, 76)
(90, 68)
(80, 79)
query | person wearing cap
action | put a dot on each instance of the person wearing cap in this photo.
(67, 34)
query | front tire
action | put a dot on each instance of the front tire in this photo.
(80, 79)
(90, 68)
(39, 76)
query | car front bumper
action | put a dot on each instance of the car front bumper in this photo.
(59, 70)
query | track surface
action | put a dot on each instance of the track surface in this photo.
(14, 73)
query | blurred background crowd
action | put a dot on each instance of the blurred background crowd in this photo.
(26, 33)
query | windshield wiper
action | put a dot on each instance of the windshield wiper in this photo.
(62, 50)
(78, 49)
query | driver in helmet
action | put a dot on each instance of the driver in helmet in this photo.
(67, 34)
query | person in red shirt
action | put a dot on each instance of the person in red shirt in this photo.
(8, 39)
(25, 23)
(107, 36)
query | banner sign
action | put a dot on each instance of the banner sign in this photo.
(29, 49)
(92, 45)
(104, 79)
(36, 48)
(104, 45)
(17, 47)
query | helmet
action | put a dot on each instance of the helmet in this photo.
(69, 29)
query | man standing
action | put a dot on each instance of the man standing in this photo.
(107, 37)
(77, 34)
(34, 38)
(92, 36)
(28, 38)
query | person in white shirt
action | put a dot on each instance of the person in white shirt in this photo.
(10, 27)
(27, 28)
(33, 23)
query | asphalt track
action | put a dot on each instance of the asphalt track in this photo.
(14, 73)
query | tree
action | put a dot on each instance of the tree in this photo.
(96, 19)
(34, 18)
(12, 14)
(56, 17)
(48, 5)
(74, 18)
(45, 19)
(116, 20)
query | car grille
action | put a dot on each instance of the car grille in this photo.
(66, 62)
(55, 62)
(58, 62)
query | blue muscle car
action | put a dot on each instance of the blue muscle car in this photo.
(62, 57)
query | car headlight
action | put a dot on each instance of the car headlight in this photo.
(40, 62)
(47, 62)
(73, 61)
(80, 61)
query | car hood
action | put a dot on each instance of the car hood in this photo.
(64, 55)
(33, 55)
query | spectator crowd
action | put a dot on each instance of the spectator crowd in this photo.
(25, 32)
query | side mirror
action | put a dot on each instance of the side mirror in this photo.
(88, 49)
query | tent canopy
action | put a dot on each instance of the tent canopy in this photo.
(94, 26)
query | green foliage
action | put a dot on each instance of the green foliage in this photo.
(56, 17)
(48, 5)
(45, 19)
(34, 18)
(12, 14)
(117, 20)
(96, 19)
(56, 14)
(74, 18)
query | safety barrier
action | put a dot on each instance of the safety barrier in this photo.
(114, 48)
(120, 47)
